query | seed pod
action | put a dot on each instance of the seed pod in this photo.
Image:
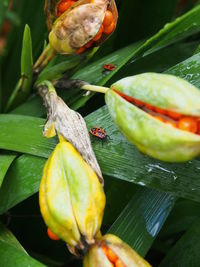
(79, 24)
(129, 100)
(71, 197)
(110, 251)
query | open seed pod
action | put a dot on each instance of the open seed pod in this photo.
(158, 113)
(71, 198)
(84, 24)
(110, 251)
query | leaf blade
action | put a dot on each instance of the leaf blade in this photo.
(5, 162)
(23, 87)
(141, 220)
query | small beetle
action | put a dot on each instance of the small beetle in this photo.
(99, 133)
(109, 67)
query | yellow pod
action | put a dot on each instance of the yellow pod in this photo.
(71, 197)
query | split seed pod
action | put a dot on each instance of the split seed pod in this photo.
(152, 136)
(71, 197)
(110, 251)
(79, 24)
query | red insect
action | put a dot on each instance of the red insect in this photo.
(109, 67)
(99, 133)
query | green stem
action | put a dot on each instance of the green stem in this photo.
(44, 58)
(95, 88)
(48, 85)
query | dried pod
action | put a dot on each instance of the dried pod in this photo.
(69, 124)
(71, 197)
(86, 23)
(110, 251)
(159, 113)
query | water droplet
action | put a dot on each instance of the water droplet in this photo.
(141, 183)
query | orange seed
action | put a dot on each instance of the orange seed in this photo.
(108, 19)
(188, 124)
(51, 235)
(109, 29)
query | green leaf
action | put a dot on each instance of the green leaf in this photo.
(22, 180)
(27, 58)
(10, 256)
(184, 214)
(5, 162)
(141, 220)
(27, 137)
(186, 251)
(145, 20)
(12, 253)
(159, 61)
(23, 87)
(56, 71)
(31, 13)
(118, 194)
(7, 237)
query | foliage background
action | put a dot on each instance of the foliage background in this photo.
(151, 205)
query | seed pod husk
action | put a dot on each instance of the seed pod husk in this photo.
(97, 257)
(78, 25)
(71, 197)
(151, 136)
(50, 9)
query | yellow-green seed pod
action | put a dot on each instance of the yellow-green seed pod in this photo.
(111, 251)
(71, 197)
(152, 136)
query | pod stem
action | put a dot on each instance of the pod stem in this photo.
(48, 85)
(95, 88)
(47, 54)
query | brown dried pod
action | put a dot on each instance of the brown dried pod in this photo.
(70, 125)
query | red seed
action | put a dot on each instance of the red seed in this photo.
(52, 235)
(174, 115)
(108, 19)
(109, 29)
(119, 263)
(63, 6)
(99, 34)
(139, 103)
(111, 255)
(89, 44)
(161, 111)
(80, 50)
(149, 106)
(105, 249)
(188, 124)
